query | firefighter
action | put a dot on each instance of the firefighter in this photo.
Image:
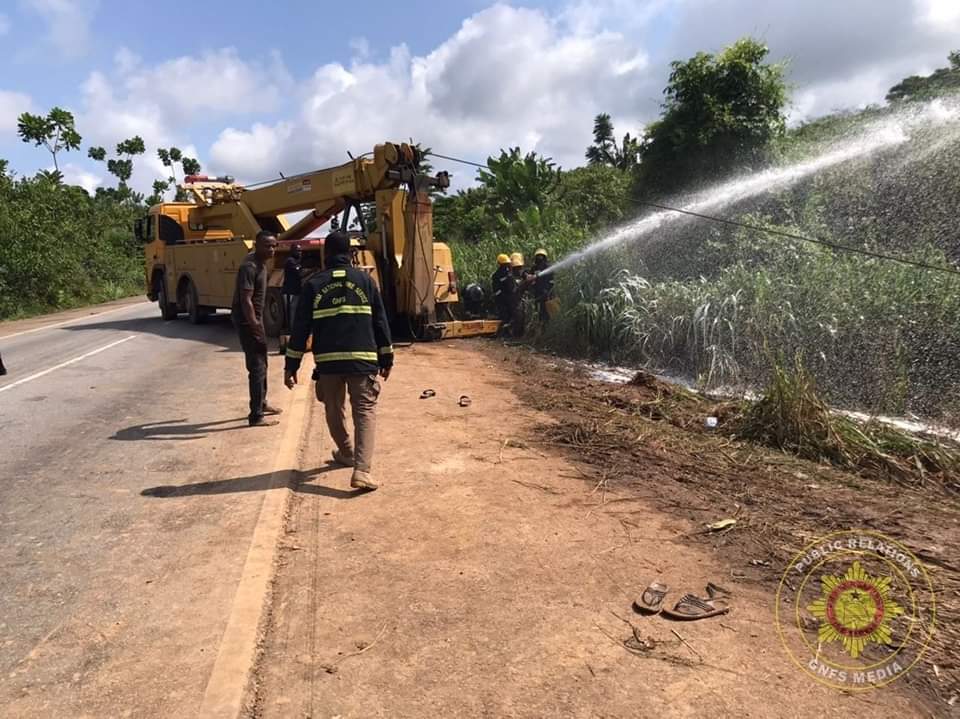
(542, 283)
(515, 283)
(342, 309)
(499, 288)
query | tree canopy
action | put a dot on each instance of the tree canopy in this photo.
(721, 112)
(55, 131)
(606, 151)
(939, 82)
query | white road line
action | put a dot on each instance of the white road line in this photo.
(68, 322)
(232, 671)
(64, 364)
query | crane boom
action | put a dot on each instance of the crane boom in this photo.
(414, 272)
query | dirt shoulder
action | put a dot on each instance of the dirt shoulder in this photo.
(493, 573)
(650, 438)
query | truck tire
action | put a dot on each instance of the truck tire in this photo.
(273, 323)
(195, 312)
(168, 310)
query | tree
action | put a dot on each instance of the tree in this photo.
(606, 151)
(170, 157)
(56, 132)
(720, 112)
(121, 167)
(515, 183)
(595, 196)
(160, 188)
(190, 166)
(940, 82)
(601, 151)
(132, 146)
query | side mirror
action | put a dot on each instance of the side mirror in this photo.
(138, 230)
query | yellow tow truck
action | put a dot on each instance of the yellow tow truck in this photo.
(192, 249)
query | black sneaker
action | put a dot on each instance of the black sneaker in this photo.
(261, 422)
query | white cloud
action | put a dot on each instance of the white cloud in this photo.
(508, 76)
(126, 61)
(217, 82)
(848, 93)
(68, 24)
(941, 16)
(253, 154)
(360, 47)
(75, 175)
(860, 46)
(11, 105)
(163, 103)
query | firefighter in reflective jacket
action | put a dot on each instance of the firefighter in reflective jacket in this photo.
(341, 307)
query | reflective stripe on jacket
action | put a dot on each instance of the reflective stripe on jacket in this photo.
(342, 309)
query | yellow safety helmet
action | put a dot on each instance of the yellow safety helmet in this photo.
(516, 260)
(541, 251)
(503, 259)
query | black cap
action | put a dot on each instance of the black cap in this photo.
(337, 243)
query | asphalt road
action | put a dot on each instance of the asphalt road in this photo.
(128, 495)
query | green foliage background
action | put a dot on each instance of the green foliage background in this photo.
(723, 306)
(60, 247)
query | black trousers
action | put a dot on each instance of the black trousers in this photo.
(289, 310)
(255, 355)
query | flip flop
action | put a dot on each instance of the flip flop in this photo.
(427, 393)
(691, 607)
(464, 401)
(652, 598)
(715, 590)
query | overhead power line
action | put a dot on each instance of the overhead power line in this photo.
(767, 230)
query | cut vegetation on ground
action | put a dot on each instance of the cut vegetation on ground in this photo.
(649, 438)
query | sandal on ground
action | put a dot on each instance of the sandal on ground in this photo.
(691, 607)
(715, 590)
(652, 598)
(427, 393)
(464, 401)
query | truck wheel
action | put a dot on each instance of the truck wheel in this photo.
(195, 312)
(273, 312)
(168, 310)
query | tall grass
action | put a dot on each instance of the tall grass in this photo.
(880, 335)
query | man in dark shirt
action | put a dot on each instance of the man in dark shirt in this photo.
(247, 314)
(291, 284)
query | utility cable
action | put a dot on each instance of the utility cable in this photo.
(768, 230)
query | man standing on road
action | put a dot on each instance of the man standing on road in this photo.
(291, 285)
(247, 315)
(3, 370)
(341, 307)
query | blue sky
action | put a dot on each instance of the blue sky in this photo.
(254, 88)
